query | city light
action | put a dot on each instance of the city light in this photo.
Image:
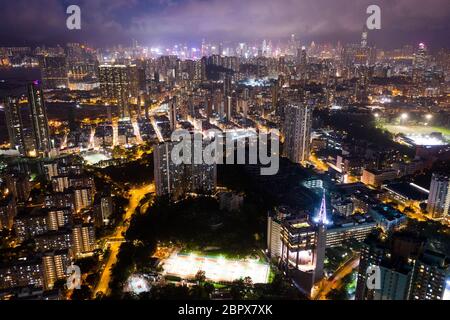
(216, 269)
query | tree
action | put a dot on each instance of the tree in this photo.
(200, 277)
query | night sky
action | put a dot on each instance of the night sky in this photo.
(165, 22)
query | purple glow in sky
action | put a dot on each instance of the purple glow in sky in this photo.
(106, 22)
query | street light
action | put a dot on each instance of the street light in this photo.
(429, 116)
(404, 116)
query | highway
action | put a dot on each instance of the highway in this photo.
(136, 195)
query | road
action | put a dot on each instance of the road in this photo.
(334, 281)
(136, 195)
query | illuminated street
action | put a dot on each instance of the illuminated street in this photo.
(334, 282)
(136, 195)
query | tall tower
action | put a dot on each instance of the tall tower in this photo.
(173, 113)
(39, 121)
(319, 255)
(297, 132)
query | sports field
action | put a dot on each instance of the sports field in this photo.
(216, 269)
(416, 129)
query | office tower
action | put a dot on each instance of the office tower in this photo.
(420, 60)
(298, 242)
(39, 120)
(173, 106)
(119, 84)
(54, 71)
(297, 133)
(83, 239)
(439, 198)
(54, 267)
(177, 180)
(15, 125)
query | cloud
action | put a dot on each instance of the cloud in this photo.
(166, 21)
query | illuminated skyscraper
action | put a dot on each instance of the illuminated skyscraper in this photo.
(439, 198)
(173, 106)
(83, 239)
(54, 266)
(178, 179)
(119, 84)
(297, 132)
(39, 120)
(421, 57)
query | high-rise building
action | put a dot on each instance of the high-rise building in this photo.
(26, 272)
(15, 125)
(59, 218)
(298, 242)
(54, 267)
(173, 106)
(83, 239)
(297, 133)
(84, 198)
(429, 277)
(407, 269)
(39, 120)
(54, 71)
(227, 85)
(39, 139)
(106, 208)
(179, 179)
(439, 198)
(421, 57)
(119, 84)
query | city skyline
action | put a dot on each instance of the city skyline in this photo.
(226, 150)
